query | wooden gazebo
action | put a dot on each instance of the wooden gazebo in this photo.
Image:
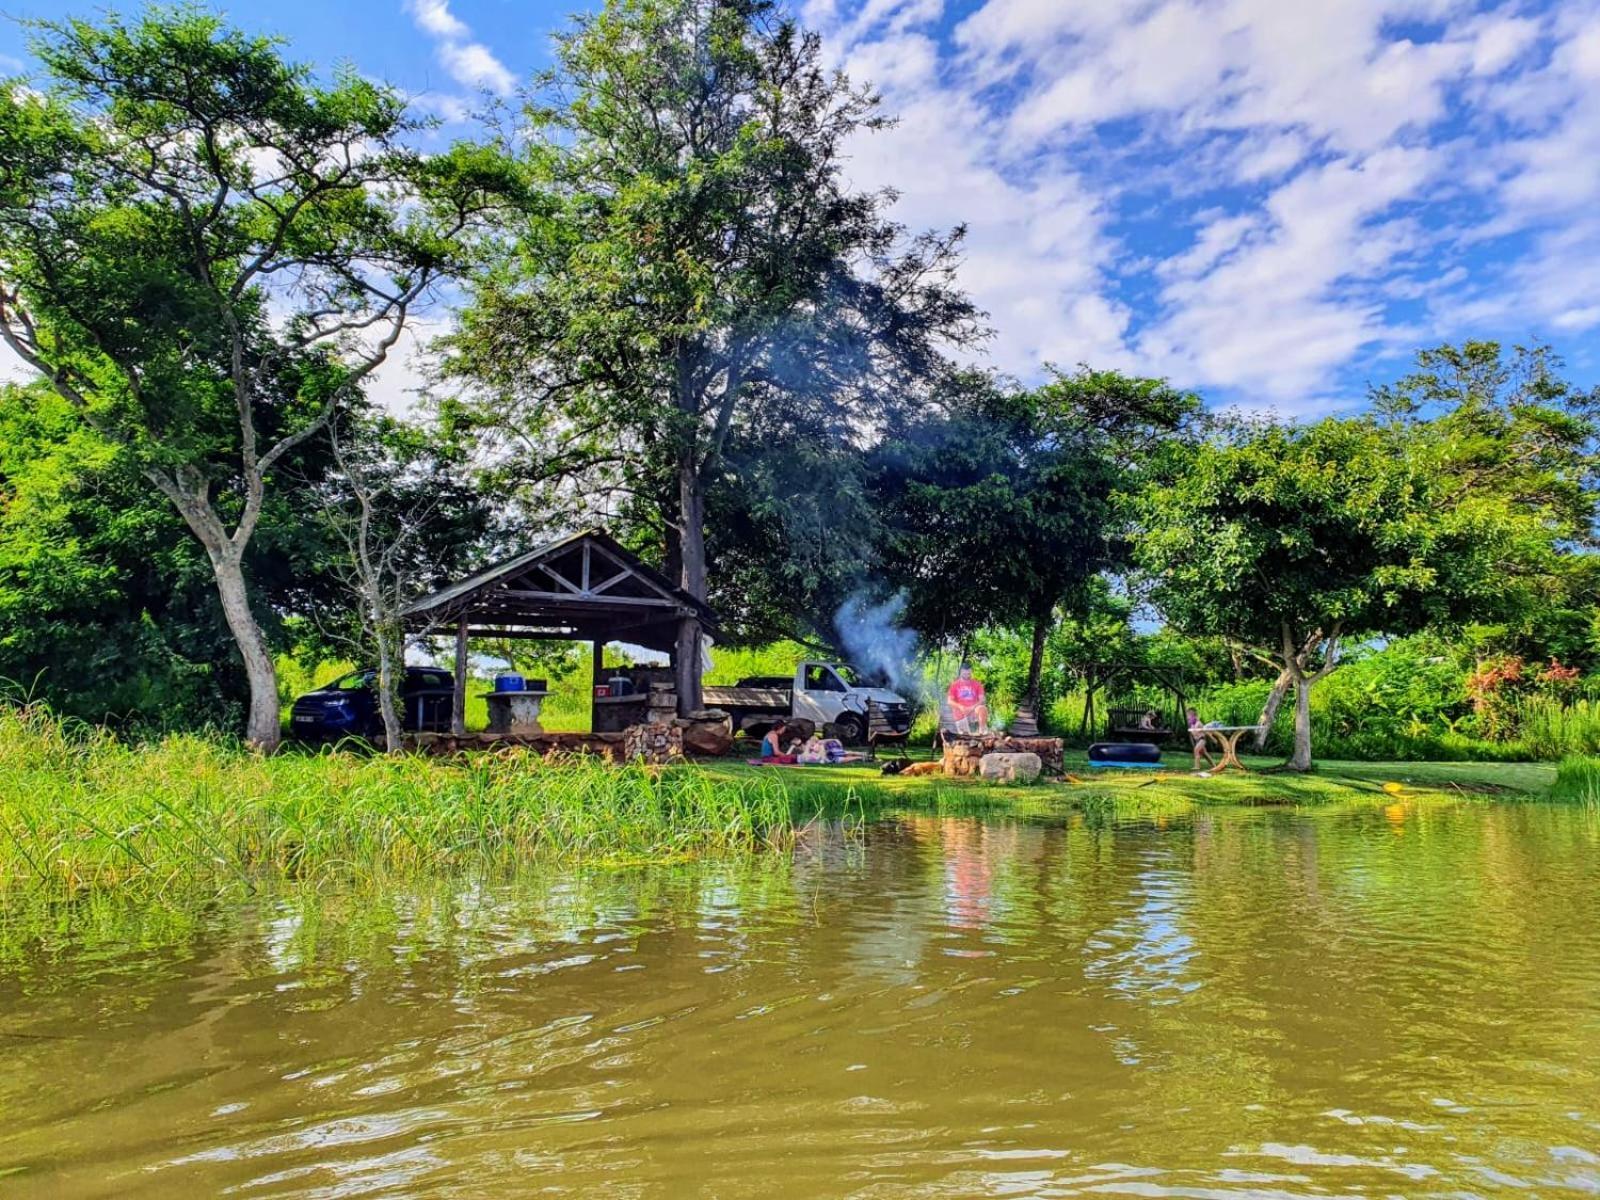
(585, 588)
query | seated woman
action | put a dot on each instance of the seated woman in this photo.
(772, 748)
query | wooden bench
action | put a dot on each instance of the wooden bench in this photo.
(880, 730)
(1122, 725)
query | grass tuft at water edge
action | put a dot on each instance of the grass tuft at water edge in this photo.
(81, 810)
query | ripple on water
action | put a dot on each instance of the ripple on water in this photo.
(1262, 1005)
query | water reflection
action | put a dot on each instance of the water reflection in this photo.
(1401, 1000)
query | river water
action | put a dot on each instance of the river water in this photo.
(1373, 1002)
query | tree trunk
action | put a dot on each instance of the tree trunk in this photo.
(390, 648)
(686, 660)
(458, 698)
(263, 730)
(692, 516)
(691, 577)
(1269, 710)
(1041, 631)
(1300, 760)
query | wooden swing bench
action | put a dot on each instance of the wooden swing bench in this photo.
(1122, 725)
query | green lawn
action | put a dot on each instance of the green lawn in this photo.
(1332, 781)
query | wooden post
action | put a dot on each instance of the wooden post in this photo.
(599, 675)
(458, 701)
(686, 666)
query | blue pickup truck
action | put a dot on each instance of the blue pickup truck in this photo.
(348, 707)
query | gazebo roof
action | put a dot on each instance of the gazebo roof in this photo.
(584, 586)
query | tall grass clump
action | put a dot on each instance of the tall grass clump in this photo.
(1578, 781)
(81, 810)
(1549, 729)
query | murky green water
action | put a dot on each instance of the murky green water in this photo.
(1400, 1002)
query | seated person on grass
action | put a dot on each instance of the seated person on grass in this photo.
(772, 747)
(967, 699)
(820, 751)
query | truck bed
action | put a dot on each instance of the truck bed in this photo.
(776, 699)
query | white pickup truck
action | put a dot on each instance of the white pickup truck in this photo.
(826, 693)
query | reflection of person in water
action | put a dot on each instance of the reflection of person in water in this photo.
(967, 700)
(967, 878)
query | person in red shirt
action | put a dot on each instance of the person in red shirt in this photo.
(967, 700)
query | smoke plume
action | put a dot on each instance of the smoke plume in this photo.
(877, 643)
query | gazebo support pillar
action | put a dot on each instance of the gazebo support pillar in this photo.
(458, 700)
(686, 666)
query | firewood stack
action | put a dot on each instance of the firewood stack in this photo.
(963, 753)
(658, 742)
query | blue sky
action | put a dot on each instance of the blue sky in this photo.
(1273, 201)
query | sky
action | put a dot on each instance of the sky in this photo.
(1274, 202)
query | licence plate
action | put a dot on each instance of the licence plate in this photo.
(304, 720)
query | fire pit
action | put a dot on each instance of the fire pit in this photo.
(963, 752)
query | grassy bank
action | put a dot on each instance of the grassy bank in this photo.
(84, 813)
(81, 811)
(1332, 782)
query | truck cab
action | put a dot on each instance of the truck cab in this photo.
(832, 693)
(823, 692)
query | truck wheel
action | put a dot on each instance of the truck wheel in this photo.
(852, 729)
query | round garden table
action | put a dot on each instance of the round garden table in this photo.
(1227, 739)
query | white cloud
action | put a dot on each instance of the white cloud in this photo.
(434, 17)
(1350, 161)
(1498, 42)
(470, 63)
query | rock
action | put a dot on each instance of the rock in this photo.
(1004, 767)
(708, 733)
(801, 728)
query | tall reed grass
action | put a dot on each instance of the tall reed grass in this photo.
(1578, 781)
(81, 810)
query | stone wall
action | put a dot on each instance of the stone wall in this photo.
(964, 752)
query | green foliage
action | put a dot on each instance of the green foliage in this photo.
(205, 252)
(691, 284)
(1578, 781)
(107, 610)
(1452, 502)
(1000, 504)
(81, 812)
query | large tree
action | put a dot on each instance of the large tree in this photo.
(694, 267)
(1003, 504)
(1509, 434)
(205, 251)
(107, 610)
(1292, 541)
